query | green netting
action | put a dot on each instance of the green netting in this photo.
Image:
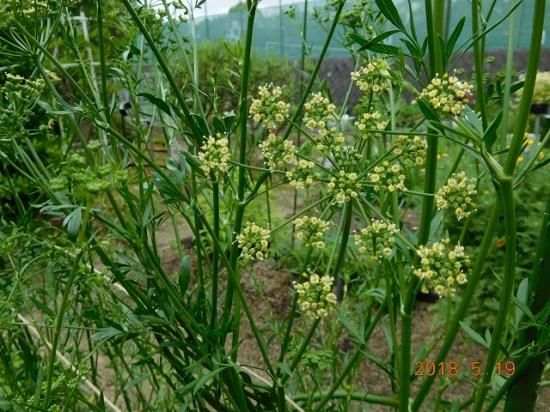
(278, 33)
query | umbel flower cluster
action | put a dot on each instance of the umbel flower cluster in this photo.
(348, 157)
(302, 174)
(368, 122)
(29, 10)
(375, 77)
(253, 242)
(329, 140)
(269, 108)
(277, 152)
(442, 267)
(315, 297)
(387, 177)
(17, 97)
(447, 94)
(346, 186)
(457, 195)
(318, 112)
(376, 239)
(85, 181)
(214, 155)
(411, 149)
(311, 231)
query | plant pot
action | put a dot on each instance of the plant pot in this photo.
(427, 297)
(539, 108)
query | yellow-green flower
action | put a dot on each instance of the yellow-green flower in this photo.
(268, 108)
(311, 231)
(442, 267)
(253, 242)
(345, 187)
(214, 155)
(388, 177)
(376, 239)
(457, 195)
(447, 94)
(277, 152)
(315, 297)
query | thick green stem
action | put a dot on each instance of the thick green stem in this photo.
(243, 117)
(507, 196)
(528, 86)
(427, 208)
(521, 123)
(465, 303)
(523, 392)
(432, 40)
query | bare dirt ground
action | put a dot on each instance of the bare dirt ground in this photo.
(267, 289)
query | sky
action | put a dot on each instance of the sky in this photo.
(222, 6)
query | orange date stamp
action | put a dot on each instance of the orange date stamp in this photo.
(451, 368)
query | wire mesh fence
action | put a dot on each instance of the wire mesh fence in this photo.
(279, 28)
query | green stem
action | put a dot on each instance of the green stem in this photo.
(507, 81)
(465, 303)
(313, 77)
(215, 253)
(439, 31)
(165, 69)
(102, 61)
(292, 315)
(301, 349)
(351, 363)
(523, 393)
(425, 221)
(355, 395)
(63, 307)
(342, 252)
(478, 63)
(507, 196)
(194, 80)
(243, 117)
(431, 37)
(302, 74)
(528, 87)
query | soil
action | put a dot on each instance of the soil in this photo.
(267, 289)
